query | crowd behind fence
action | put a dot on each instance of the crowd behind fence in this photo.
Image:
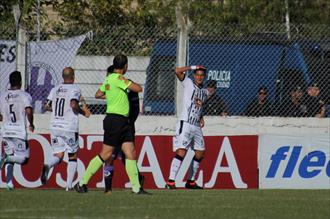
(255, 71)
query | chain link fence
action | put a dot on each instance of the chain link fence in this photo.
(255, 71)
(258, 71)
(7, 54)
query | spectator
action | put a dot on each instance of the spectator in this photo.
(260, 106)
(214, 105)
(293, 106)
(315, 106)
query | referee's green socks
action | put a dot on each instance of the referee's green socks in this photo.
(133, 174)
(94, 165)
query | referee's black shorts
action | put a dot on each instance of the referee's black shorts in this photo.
(117, 130)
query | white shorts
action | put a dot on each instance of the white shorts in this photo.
(64, 141)
(188, 135)
(16, 146)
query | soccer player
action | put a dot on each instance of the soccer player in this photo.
(188, 132)
(116, 125)
(15, 109)
(63, 102)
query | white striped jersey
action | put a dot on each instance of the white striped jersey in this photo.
(12, 109)
(63, 118)
(194, 98)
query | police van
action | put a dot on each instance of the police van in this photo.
(239, 68)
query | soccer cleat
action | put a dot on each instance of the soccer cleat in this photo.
(2, 161)
(142, 192)
(141, 180)
(80, 189)
(108, 192)
(69, 189)
(170, 185)
(44, 174)
(108, 186)
(10, 187)
(192, 185)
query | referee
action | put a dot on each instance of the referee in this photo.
(108, 168)
(117, 129)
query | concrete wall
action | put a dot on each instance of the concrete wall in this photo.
(165, 125)
(91, 71)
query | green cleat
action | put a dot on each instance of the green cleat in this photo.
(142, 192)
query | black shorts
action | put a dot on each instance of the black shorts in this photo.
(117, 130)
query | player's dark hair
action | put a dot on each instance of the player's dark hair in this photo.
(200, 69)
(120, 61)
(15, 78)
(110, 69)
(263, 88)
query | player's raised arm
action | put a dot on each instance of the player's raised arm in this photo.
(180, 71)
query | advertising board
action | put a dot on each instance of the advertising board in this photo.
(230, 162)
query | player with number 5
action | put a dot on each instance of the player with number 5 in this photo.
(15, 109)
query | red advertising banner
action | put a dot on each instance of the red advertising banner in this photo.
(230, 162)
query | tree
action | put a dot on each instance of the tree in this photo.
(83, 15)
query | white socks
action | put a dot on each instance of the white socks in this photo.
(175, 166)
(15, 159)
(53, 161)
(71, 170)
(193, 169)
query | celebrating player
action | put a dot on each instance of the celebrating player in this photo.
(15, 108)
(63, 101)
(188, 131)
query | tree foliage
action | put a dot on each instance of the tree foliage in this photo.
(82, 15)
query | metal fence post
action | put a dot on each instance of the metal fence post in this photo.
(182, 43)
(21, 41)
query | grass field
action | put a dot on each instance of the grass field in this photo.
(27, 203)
